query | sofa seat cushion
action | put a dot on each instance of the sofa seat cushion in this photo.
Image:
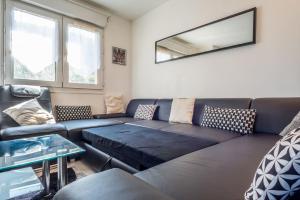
(126, 119)
(107, 116)
(74, 127)
(108, 185)
(32, 131)
(223, 171)
(213, 134)
(141, 147)
(154, 124)
(122, 117)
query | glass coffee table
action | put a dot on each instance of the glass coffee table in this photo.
(25, 152)
(20, 184)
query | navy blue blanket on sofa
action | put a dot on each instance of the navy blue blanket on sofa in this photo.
(141, 147)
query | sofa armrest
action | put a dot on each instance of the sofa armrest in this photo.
(108, 185)
(32, 131)
(107, 116)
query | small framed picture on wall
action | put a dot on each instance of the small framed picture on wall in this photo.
(118, 56)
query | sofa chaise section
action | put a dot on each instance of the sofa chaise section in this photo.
(110, 185)
(142, 147)
(223, 171)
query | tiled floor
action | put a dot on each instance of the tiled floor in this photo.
(82, 168)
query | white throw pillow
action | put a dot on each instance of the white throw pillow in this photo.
(29, 113)
(114, 104)
(182, 110)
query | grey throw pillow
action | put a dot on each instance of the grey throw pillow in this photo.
(236, 120)
(145, 112)
(295, 123)
(66, 113)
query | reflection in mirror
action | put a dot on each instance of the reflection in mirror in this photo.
(233, 31)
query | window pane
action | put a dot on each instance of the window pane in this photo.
(83, 57)
(34, 46)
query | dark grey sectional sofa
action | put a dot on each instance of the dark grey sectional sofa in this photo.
(222, 170)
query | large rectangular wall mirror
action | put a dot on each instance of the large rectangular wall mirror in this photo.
(230, 32)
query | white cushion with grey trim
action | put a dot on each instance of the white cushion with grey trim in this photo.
(182, 110)
(29, 113)
(114, 104)
(145, 112)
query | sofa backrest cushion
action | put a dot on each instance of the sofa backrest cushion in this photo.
(238, 103)
(273, 114)
(134, 103)
(7, 100)
(164, 106)
(163, 109)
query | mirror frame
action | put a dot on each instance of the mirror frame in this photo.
(254, 10)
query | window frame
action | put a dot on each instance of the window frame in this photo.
(9, 69)
(66, 83)
(62, 68)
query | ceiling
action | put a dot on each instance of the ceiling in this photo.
(129, 9)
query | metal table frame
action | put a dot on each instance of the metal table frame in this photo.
(62, 178)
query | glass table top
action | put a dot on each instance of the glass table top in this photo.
(22, 152)
(19, 184)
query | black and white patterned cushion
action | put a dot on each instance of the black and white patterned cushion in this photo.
(145, 112)
(236, 120)
(65, 113)
(278, 174)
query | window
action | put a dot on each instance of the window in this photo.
(48, 49)
(83, 60)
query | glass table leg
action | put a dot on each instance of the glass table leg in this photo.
(62, 172)
(46, 176)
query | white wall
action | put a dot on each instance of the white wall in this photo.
(76, 10)
(116, 78)
(269, 68)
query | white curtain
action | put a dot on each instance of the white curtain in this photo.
(83, 47)
(34, 40)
